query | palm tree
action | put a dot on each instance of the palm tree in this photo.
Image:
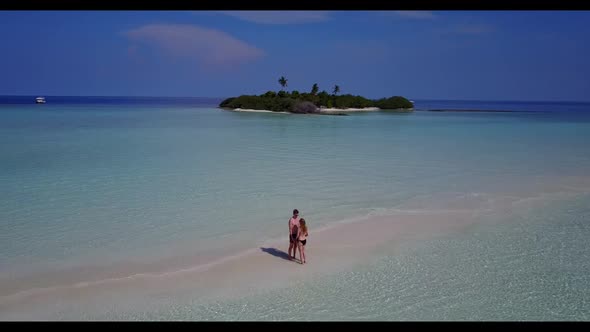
(283, 81)
(336, 89)
(315, 89)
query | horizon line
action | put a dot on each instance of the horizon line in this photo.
(222, 97)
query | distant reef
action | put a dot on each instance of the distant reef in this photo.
(314, 102)
(473, 110)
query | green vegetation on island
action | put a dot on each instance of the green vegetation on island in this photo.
(313, 101)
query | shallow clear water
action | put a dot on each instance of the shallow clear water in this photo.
(97, 184)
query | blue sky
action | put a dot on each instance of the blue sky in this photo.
(484, 55)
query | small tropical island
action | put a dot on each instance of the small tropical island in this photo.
(313, 102)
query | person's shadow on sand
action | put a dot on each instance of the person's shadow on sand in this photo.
(276, 252)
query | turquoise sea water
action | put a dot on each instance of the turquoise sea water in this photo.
(92, 185)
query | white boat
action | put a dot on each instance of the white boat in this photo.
(40, 100)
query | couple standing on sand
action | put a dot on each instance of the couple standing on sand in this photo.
(297, 236)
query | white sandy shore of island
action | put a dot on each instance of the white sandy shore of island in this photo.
(321, 110)
(256, 111)
(364, 109)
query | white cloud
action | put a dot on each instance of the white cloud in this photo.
(278, 16)
(207, 46)
(415, 14)
(466, 29)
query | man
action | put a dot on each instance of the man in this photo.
(293, 227)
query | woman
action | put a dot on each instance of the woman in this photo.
(302, 235)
